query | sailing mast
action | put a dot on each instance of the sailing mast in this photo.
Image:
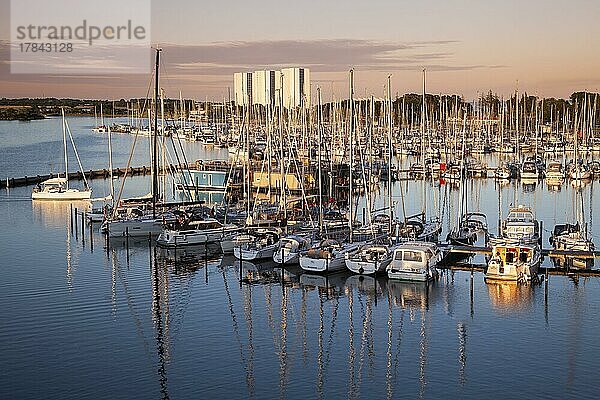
(389, 101)
(155, 138)
(64, 128)
(423, 116)
(320, 127)
(351, 218)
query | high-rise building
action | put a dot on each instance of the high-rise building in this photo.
(296, 87)
(266, 87)
(242, 83)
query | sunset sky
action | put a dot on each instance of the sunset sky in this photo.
(551, 47)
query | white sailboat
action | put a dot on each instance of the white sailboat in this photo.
(57, 189)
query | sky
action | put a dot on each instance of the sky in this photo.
(545, 47)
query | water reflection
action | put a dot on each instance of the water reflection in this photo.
(54, 214)
(510, 296)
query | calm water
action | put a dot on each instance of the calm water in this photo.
(84, 321)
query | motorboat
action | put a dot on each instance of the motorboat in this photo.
(415, 261)
(514, 261)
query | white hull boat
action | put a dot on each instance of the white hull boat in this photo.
(512, 261)
(415, 261)
(289, 249)
(328, 256)
(198, 232)
(369, 259)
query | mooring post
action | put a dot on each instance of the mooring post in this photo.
(127, 243)
(71, 218)
(471, 290)
(175, 251)
(76, 225)
(240, 253)
(82, 229)
(150, 248)
(91, 238)
(375, 276)
(205, 263)
(107, 240)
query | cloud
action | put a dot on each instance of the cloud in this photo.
(198, 68)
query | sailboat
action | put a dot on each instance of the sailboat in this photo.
(573, 237)
(329, 255)
(56, 189)
(133, 217)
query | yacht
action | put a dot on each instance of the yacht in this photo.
(569, 237)
(369, 259)
(135, 221)
(327, 256)
(263, 244)
(201, 231)
(529, 170)
(415, 261)
(554, 172)
(513, 261)
(58, 189)
(289, 249)
(520, 225)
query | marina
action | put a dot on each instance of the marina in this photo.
(299, 201)
(287, 327)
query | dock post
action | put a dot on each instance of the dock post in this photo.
(175, 252)
(82, 229)
(546, 295)
(542, 236)
(205, 264)
(240, 253)
(471, 290)
(107, 238)
(376, 285)
(76, 224)
(71, 218)
(127, 243)
(91, 238)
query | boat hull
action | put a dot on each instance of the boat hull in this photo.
(286, 257)
(67, 195)
(133, 227)
(403, 275)
(325, 264)
(171, 238)
(251, 254)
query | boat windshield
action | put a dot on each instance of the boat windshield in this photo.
(416, 256)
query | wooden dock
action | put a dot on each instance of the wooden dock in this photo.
(91, 174)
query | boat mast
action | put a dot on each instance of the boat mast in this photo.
(155, 138)
(110, 167)
(282, 169)
(423, 116)
(319, 131)
(64, 128)
(351, 219)
(389, 101)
